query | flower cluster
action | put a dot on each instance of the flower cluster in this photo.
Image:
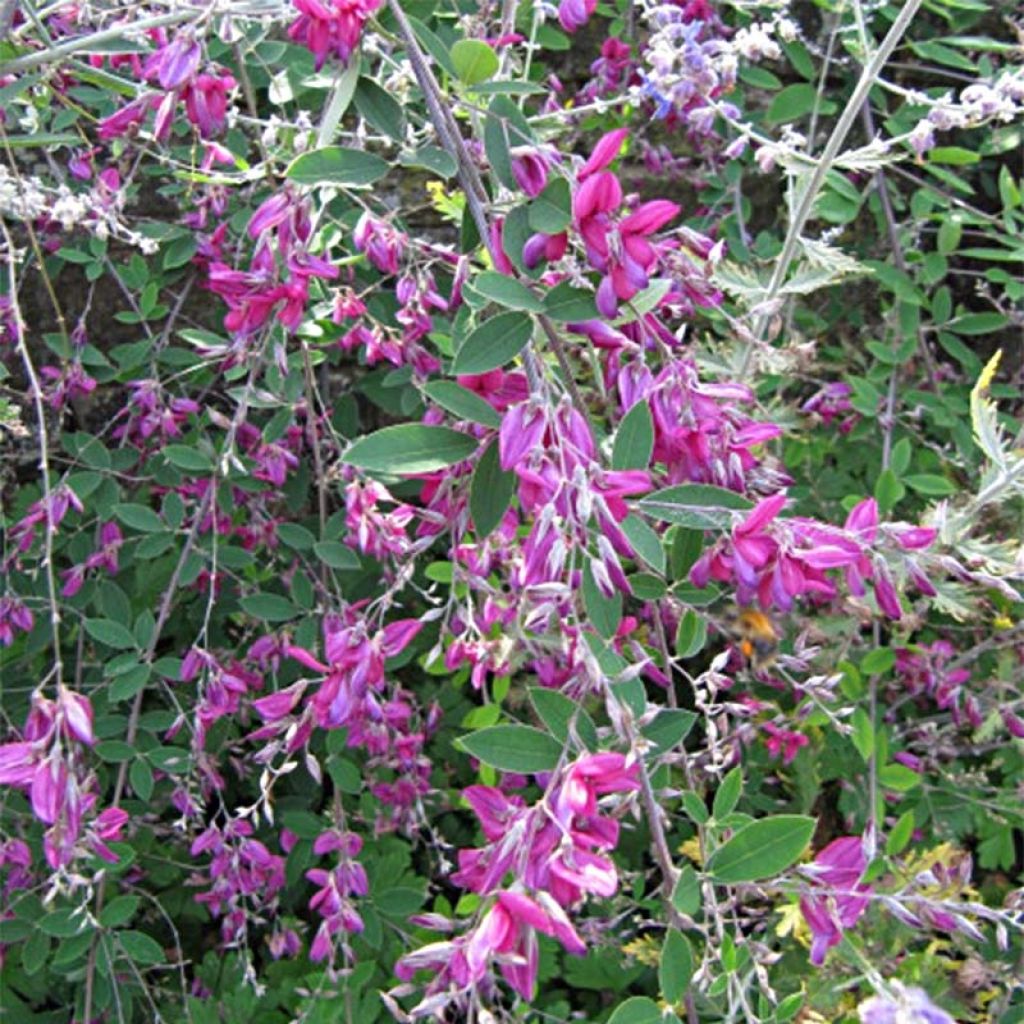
(539, 862)
(837, 898)
(50, 766)
(331, 27)
(175, 66)
(332, 900)
(243, 876)
(778, 561)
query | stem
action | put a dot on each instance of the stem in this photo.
(473, 187)
(61, 50)
(44, 456)
(817, 179)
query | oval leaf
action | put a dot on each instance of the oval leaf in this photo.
(474, 61)
(336, 165)
(410, 448)
(675, 969)
(637, 1010)
(507, 291)
(111, 633)
(762, 849)
(493, 343)
(513, 748)
(634, 440)
(269, 607)
(462, 403)
(490, 493)
(697, 506)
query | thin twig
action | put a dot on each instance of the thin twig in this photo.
(817, 178)
(44, 452)
(91, 42)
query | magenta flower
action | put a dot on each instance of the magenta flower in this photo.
(839, 899)
(327, 27)
(620, 250)
(176, 63)
(530, 168)
(382, 244)
(574, 14)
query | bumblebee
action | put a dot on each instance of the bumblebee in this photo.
(756, 636)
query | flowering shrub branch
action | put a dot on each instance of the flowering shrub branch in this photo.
(472, 551)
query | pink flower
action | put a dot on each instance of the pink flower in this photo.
(840, 899)
(574, 14)
(328, 27)
(530, 169)
(176, 63)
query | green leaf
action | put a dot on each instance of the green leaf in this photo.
(686, 897)
(955, 156)
(490, 492)
(898, 777)
(514, 235)
(399, 901)
(269, 607)
(793, 102)
(559, 713)
(380, 109)
(947, 239)
(637, 1010)
(129, 683)
(761, 849)
(670, 727)
(901, 456)
(35, 952)
(645, 541)
(551, 212)
(878, 662)
(691, 634)
(111, 633)
(335, 554)
(901, 834)
(462, 403)
(675, 968)
(566, 304)
(928, 483)
(140, 777)
(863, 735)
(474, 61)
(506, 291)
(141, 948)
(504, 129)
(888, 490)
(433, 158)
(119, 911)
(432, 44)
(410, 448)
(646, 586)
(513, 748)
(190, 459)
(634, 440)
(62, 924)
(47, 139)
(139, 517)
(604, 613)
(694, 807)
(696, 506)
(295, 536)
(179, 252)
(728, 794)
(337, 165)
(494, 343)
(977, 323)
